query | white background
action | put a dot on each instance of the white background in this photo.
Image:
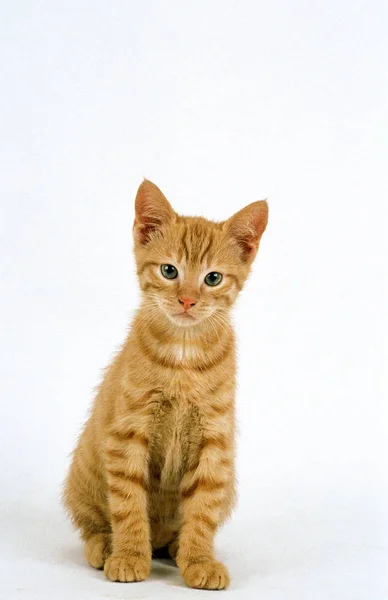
(220, 103)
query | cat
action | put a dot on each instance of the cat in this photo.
(153, 469)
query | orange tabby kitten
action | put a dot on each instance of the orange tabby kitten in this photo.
(154, 465)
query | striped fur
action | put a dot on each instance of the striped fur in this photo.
(154, 465)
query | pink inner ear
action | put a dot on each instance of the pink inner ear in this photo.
(152, 211)
(140, 230)
(247, 227)
(143, 229)
(248, 246)
(247, 235)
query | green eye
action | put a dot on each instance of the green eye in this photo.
(213, 278)
(169, 271)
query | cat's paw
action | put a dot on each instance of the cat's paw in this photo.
(97, 549)
(126, 567)
(173, 549)
(211, 575)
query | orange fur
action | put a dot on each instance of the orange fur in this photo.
(154, 465)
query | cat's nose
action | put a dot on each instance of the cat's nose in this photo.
(187, 302)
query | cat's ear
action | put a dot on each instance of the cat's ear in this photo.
(152, 211)
(247, 226)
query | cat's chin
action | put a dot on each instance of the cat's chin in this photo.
(183, 319)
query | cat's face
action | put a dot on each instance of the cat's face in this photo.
(191, 269)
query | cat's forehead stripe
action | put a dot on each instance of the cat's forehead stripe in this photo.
(206, 250)
(196, 241)
(184, 242)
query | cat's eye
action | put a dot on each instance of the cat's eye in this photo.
(213, 278)
(169, 271)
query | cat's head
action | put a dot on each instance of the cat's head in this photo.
(191, 269)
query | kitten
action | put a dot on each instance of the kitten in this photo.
(154, 466)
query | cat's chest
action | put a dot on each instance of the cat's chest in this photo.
(187, 384)
(175, 441)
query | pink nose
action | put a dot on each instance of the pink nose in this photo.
(187, 302)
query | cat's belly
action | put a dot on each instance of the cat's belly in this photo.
(174, 448)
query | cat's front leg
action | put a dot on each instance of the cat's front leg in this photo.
(126, 460)
(203, 498)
